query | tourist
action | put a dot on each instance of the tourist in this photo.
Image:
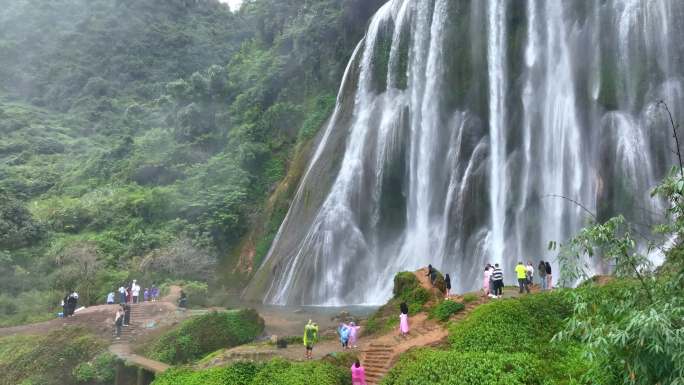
(521, 272)
(183, 300)
(310, 338)
(122, 294)
(403, 319)
(127, 314)
(110, 298)
(447, 283)
(65, 305)
(549, 277)
(146, 295)
(487, 285)
(129, 297)
(432, 273)
(358, 374)
(135, 290)
(343, 331)
(154, 292)
(542, 274)
(497, 280)
(72, 303)
(530, 274)
(353, 334)
(118, 321)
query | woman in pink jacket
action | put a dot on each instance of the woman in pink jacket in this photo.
(358, 374)
(485, 283)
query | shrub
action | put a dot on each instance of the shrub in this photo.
(456, 368)
(204, 334)
(49, 359)
(197, 293)
(446, 309)
(470, 297)
(275, 372)
(99, 370)
(403, 282)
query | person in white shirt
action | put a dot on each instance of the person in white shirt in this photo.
(110, 298)
(135, 291)
(122, 295)
(530, 273)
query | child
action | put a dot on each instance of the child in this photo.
(403, 320)
(343, 331)
(146, 295)
(353, 334)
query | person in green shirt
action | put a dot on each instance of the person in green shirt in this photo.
(521, 272)
(310, 338)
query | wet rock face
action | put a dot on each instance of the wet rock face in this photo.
(458, 122)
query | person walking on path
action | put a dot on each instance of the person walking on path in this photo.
(127, 314)
(521, 273)
(530, 274)
(353, 334)
(135, 290)
(118, 321)
(447, 283)
(542, 275)
(358, 374)
(497, 278)
(310, 338)
(343, 331)
(403, 319)
(486, 284)
(549, 277)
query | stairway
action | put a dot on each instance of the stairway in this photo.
(129, 332)
(376, 362)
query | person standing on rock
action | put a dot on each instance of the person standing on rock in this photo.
(135, 290)
(403, 319)
(497, 279)
(122, 294)
(118, 321)
(447, 283)
(310, 338)
(542, 275)
(358, 374)
(521, 272)
(549, 277)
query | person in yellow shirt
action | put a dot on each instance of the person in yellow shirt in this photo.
(521, 271)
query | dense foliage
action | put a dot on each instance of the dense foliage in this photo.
(145, 136)
(53, 359)
(275, 372)
(204, 334)
(445, 309)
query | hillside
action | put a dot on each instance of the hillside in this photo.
(134, 130)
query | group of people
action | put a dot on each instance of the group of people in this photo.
(69, 303)
(131, 294)
(493, 278)
(348, 335)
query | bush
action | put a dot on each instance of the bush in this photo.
(403, 282)
(446, 309)
(49, 359)
(470, 297)
(526, 324)
(204, 334)
(198, 294)
(100, 370)
(275, 372)
(456, 368)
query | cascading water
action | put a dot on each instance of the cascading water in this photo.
(456, 124)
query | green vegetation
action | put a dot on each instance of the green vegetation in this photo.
(61, 357)
(142, 138)
(275, 372)
(445, 309)
(455, 368)
(406, 289)
(201, 335)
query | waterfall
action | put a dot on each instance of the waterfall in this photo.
(457, 124)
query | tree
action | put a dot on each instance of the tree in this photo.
(18, 228)
(181, 259)
(79, 266)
